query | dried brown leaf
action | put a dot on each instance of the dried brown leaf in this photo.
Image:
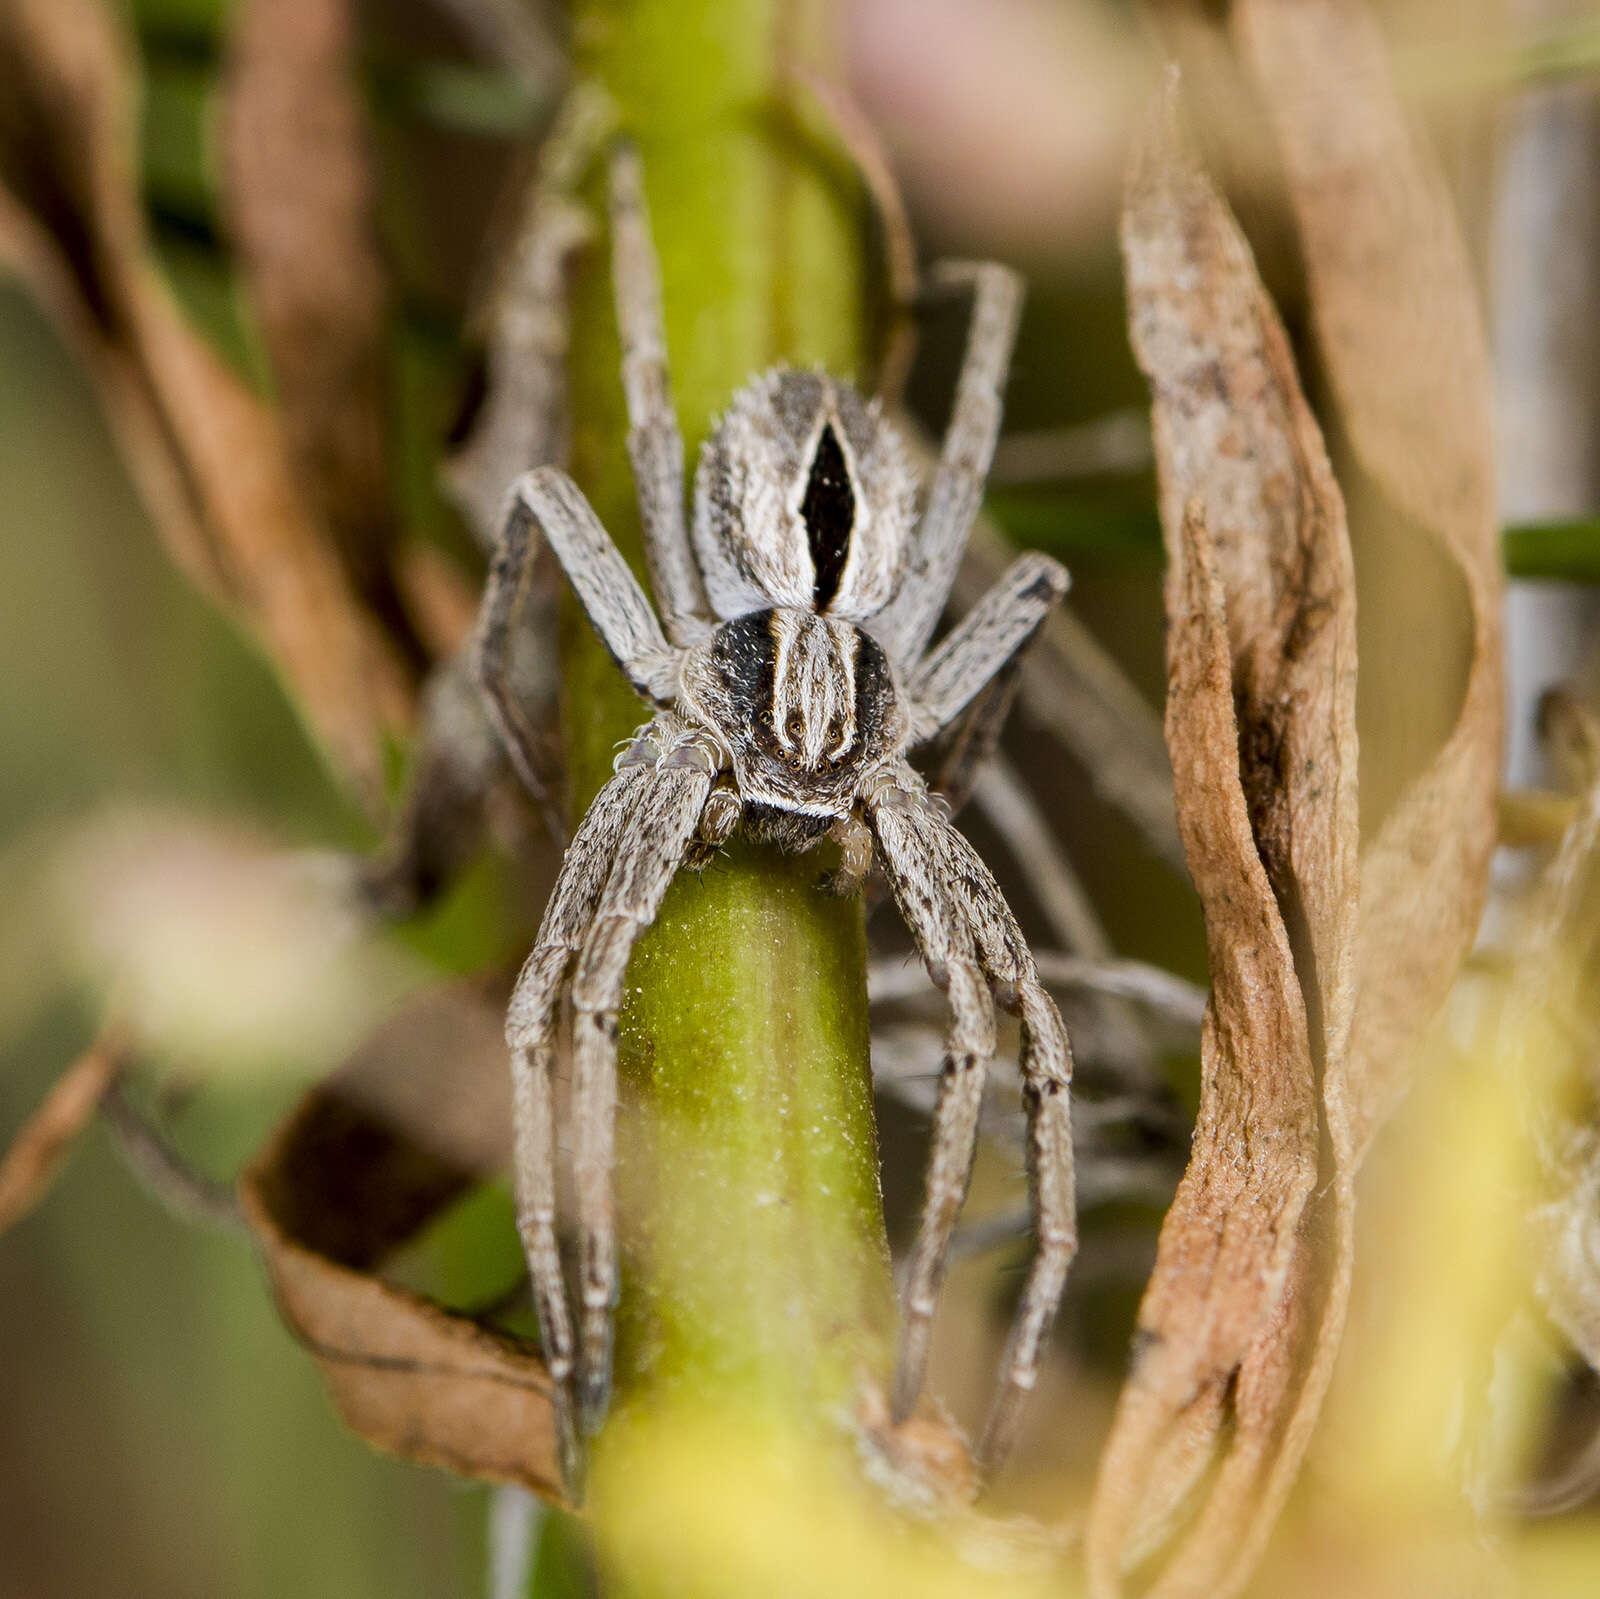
(300, 198)
(43, 1142)
(208, 456)
(368, 1159)
(1396, 317)
(1395, 312)
(1261, 730)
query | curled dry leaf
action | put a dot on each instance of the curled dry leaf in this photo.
(299, 195)
(416, 1116)
(1261, 730)
(1394, 310)
(1550, 1007)
(1396, 318)
(208, 456)
(43, 1142)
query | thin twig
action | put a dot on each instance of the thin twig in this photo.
(42, 1144)
(1114, 445)
(1172, 997)
(187, 1193)
(521, 35)
(515, 1521)
(1000, 793)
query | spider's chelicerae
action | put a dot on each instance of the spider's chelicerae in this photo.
(791, 678)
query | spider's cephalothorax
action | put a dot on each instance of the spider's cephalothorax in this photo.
(791, 676)
(805, 706)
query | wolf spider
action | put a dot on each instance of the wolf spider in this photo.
(790, 678)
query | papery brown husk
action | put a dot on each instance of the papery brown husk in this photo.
(208, 456)
(1261, 730)
(416, 1117)
(1394, 311)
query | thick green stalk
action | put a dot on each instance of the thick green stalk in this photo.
(755, 1273)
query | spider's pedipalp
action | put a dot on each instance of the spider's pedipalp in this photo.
(964, 928)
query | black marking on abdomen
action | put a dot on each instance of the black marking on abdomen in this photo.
(829, 512)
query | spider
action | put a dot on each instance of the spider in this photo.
(790, 679)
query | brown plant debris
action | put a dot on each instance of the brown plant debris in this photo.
(299, 193)
(209, 458)
(1245, 1310)
(416, 1117)
(43, 1142)
(1261, 730)
(1395, 312)
(1396, 318)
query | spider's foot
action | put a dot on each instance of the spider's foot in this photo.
(911, 1367)
(569, 1446)
(1000, 1431)
(594, 1371)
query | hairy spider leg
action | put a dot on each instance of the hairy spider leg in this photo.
(531, 1024)
(655, 441)
(906, 624)
(939, 880)
(947, 679)
(647, 859)
(945, 943)
(547, 501)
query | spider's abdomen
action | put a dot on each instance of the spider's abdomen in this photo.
(804, 497)
(805, 703)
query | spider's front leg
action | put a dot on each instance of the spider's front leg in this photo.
(962, 924)
(623, 856)
(663, 830)
(531, 1023)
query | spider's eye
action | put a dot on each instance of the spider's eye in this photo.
(765, 718)
(794, 727)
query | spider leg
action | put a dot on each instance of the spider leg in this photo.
(907, 622)
(647, 857)
(522, 422)
(461, 753)
(928, 860)
(548, 501)
(984, 642)
(531, 1023)
(655, 443)
(460, 758)
(946, 946)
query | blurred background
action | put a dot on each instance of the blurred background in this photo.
(160, 1433)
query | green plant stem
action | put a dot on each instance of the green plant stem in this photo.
(1565, 550)
(755, 1266)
